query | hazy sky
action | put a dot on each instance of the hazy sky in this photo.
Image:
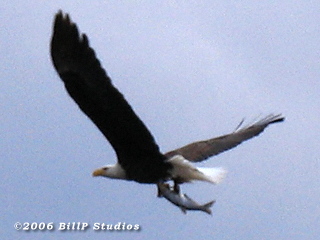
(191, 70)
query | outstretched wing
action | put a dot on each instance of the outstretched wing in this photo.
(90, 87)
(202, 150)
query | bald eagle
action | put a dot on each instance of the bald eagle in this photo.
(139, 157)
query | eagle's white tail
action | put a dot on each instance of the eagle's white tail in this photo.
(186, 172)
(213, 175)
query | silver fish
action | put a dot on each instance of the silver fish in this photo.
(182, 200)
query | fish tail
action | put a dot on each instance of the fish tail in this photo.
(207, 206)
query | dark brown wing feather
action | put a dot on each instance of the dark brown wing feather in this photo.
(202, 150)
(90, 87)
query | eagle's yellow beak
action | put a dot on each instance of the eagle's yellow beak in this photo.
(98, 172)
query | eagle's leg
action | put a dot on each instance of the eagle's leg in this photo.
(176, 187)
(159, 194)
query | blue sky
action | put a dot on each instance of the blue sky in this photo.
(191, 70)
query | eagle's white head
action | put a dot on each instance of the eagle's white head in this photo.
(110, 171)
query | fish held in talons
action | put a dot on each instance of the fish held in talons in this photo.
(182, 200)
